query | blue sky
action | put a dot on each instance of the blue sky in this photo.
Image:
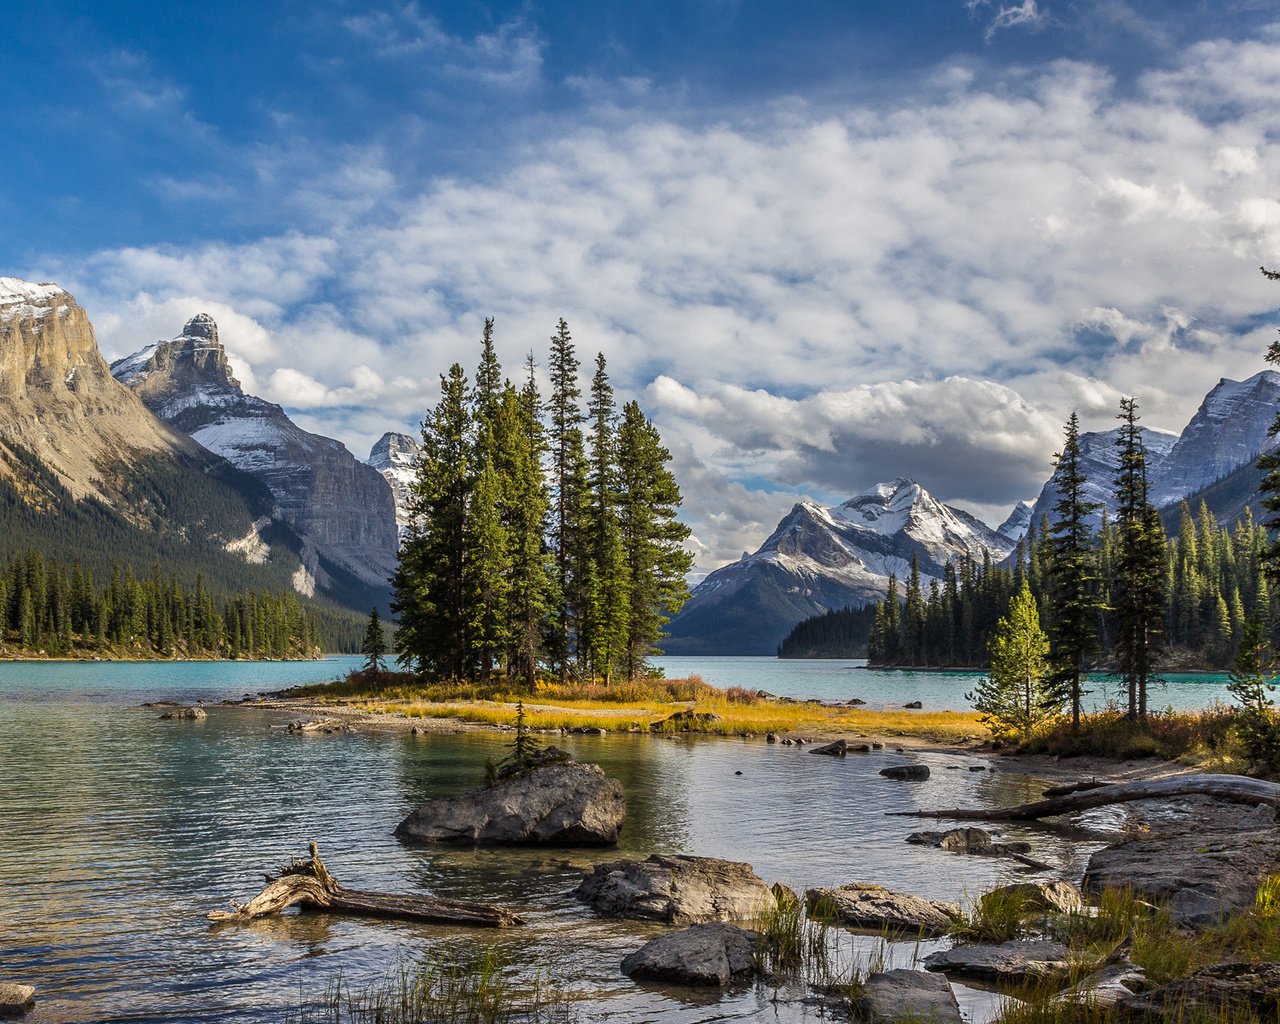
(824, 243)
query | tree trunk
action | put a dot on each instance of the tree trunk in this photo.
(308, 884)
(1233, 788)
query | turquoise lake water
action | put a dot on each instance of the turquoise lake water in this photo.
(119, 832)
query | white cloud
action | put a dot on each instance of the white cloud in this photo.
(809, 300)
(1027, 14)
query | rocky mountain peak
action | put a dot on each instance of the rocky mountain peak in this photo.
(202, 325)
(395, 456)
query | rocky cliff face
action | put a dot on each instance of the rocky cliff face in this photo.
(58, 398)
(342, 508)
(395, 456)
(818, 559)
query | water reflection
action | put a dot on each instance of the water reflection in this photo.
(118, 832)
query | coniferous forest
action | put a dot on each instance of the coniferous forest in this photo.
(545, 537)
(55, 610)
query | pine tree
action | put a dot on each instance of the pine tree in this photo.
(1014, 698)
(1138, 590)
(652, 537)
(430, 585)
(1251, 684)
(610, 597)
(1269, 463)
(1071, 575)
(374, 647)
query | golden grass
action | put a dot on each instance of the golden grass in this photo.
(631, 707)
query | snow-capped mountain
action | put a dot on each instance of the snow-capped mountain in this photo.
(823, 558)
(1226, 433)
(395, 456)
(1019, 521)
(342, 508)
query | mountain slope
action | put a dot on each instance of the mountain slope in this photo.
(342, 509)
(819, 559)
(395, 456)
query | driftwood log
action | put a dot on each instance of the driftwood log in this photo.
(308, 884)
(1233, 788)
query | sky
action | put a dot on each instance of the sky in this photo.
(823, 244)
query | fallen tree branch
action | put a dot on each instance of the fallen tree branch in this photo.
(1233, 788)
(308, 884)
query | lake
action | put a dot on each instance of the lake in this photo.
(119, 832)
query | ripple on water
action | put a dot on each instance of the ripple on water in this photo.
(118, 832)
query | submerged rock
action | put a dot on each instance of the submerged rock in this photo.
(836, 749)
(1199, 876)
(554, 805)
(15, 998)
(873, 907)
(677, 889)
(906, 772)
(1034, 959)
(327, 726)
(191, 714)
(705, 954)
(957, 840)
(901, 995)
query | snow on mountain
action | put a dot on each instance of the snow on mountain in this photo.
(341, 508)
(823, 558)
(1019, 521)
(395, 456)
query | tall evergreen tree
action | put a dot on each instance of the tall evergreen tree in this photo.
(1269, 463)
(430, 585)
(1139, 587)
(1013, 698)
(1071, 575)
(652, 537)
(374, 647)
(609, 609)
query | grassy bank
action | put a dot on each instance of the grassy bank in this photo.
(634, 707)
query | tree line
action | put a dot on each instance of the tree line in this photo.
(58, 610)
(1123, 596)
(544, 534)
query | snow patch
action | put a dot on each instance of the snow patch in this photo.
(14, 290)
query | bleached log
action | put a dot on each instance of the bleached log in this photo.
(1232, 788)
(309, 885)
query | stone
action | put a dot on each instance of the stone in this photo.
(957, 840)
(686, 721)
(192, 714)
(906, 772)
(705, 954)
(1035, 959)
(677, 889)
(977, 768)
(902, 995)
(875, 908)
(1044, 897)
(788, 741)
(854, 702)
(1225, 992)
(327, 726)
(915, 705)
(877, 745)
(837, 749)
(552, 805)
(1200, 876)
(771, 737)
(1112, 983)
(15, 998)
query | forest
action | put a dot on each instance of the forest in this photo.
(59, 611)
(545, 537)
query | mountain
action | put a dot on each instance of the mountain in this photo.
(89, 475)
(395, 456)
(1211, 459)
(1100, 461)
(341, 508)
(1015, 527)
(818, 559)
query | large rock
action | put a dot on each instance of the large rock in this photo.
(555, 805)
(1035, 959)
(15, 998)
(677, 889)
(915, 996)
(873, 907)
(1223, 992)
(192, 714)
(906, 772)
(705, 954)
(1200, 876)
(1042, 897)
(1114, 982)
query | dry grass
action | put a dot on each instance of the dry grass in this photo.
(631, 707)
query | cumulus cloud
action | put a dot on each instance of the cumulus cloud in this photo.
(809, 299)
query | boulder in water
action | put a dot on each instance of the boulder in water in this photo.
(677, 889)
(714, 953)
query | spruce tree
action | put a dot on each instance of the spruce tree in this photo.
(1251, 684)
(1269, 488)
(1071, 575)
(374, 647)
(1014, 697)
(610, 597)
(652, 538)
(1138, 589)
